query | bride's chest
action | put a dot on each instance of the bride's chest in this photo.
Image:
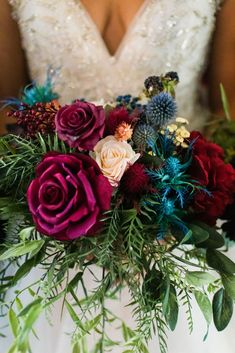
(164, 35)
(60, 27)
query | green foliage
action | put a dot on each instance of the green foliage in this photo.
(222, 309)
(220, 262)
(19, 158)
(127, 253)
(205, 305)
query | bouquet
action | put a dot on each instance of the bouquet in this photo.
(121, 191)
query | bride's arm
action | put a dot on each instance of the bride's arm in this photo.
(222, 65)
(12, 63)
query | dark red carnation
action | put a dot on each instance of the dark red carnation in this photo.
(209, 169)
(135, 181)
(81, 125)
(68, 195)
(116, 117)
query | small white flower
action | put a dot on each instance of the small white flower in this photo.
(183, 132)
(172, 128)
(182, 120)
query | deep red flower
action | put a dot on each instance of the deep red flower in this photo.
(118, 116)
(81, 125)
(135, 181)
(68, 195)
(209, 169)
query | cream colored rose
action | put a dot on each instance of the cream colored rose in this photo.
(114, 157)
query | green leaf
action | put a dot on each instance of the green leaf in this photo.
(220, 262)
(128, 215)
(76, 348)
(29, 321)
(165, 288)
(13, 349)
(198, 278)
(29, 307)
(172, 311)
(73, 315)
(199, 234)
(205, 305)
(74, 281)
(215, 239)
(222, 309)
(22, 249)
(14, 322)
(27, 267)
(229, 284)
(26, 233)
(225, 103)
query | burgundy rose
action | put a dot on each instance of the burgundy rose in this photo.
(68, 195)
(80, 125)
(209, 169)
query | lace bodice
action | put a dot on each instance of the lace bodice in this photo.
(165, 35)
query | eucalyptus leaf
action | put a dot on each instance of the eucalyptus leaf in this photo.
(222, 309)
(215, 239)
(205, 305)
(172, 311)
(165, 289)
(199, 234)
(220, 262)
(198, 278)
(229, 284)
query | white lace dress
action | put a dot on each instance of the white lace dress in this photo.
(165, 35)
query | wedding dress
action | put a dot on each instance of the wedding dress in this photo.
(165, 35)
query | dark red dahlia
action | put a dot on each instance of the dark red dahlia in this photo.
(118, 116)
(218, 178)
(135, 181)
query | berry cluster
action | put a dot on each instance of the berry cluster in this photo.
(40, 118)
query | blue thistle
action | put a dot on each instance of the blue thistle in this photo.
(161, 109)
(167, 207)
(143, 136)
(173, 166)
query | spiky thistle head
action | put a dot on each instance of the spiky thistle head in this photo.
(161, 109)
(172, 166)
(167, 207)
(143, 136)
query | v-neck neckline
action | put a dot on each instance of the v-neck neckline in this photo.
(124, 40)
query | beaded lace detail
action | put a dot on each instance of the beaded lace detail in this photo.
(164, 36)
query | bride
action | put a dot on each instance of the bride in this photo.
(104, 48)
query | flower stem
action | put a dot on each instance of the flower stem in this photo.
(103, 317)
